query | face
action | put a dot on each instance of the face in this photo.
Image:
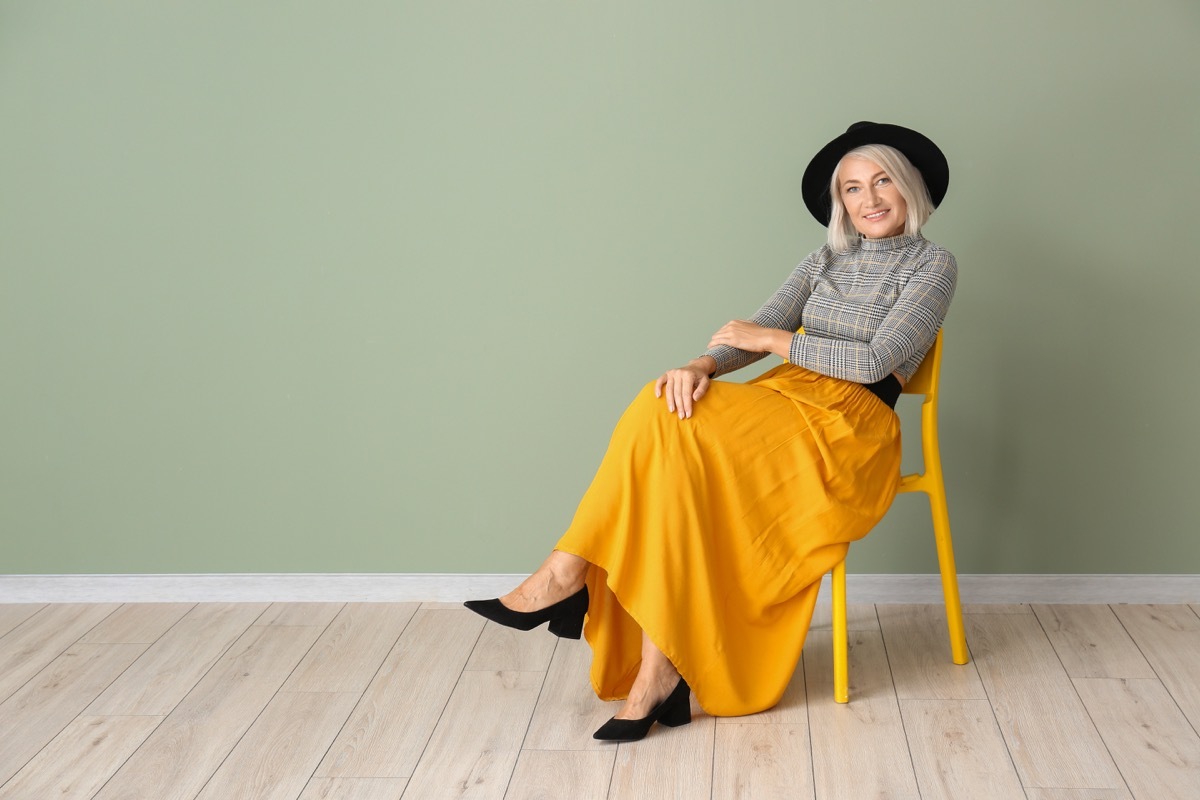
(872, 201)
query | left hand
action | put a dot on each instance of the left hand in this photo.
(752, 338)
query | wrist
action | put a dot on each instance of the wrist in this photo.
(706, 364)
(781, 343)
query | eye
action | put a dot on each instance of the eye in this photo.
(883, 181)
(851, 189)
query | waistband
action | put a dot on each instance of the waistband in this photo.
(887, 390)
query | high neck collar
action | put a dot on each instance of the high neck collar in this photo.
(890, 243)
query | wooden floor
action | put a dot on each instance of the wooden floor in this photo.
(387, 701)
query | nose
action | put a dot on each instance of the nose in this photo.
(872, 198)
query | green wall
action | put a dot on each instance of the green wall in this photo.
(364, 286)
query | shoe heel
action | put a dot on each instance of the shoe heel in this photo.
(680, 713)
(568, 627)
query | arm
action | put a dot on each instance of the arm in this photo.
(908, 328)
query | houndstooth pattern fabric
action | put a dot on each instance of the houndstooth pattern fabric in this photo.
(866, 313)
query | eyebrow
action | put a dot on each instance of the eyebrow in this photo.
(873, 177)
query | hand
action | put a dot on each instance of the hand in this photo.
(753, 338)
(684, 386)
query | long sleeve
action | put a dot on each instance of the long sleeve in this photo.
(903, 336)
(866, 313)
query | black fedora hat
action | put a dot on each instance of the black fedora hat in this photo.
(918, 148)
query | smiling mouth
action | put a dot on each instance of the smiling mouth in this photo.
(877, 214)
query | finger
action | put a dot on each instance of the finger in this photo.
(687, 403)
(669, 391)
(698, 392)
(658, 385)
(681, 394)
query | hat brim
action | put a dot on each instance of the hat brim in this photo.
(918, 148)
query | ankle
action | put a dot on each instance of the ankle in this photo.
(566, 584)
(654, 687)
(568, 571)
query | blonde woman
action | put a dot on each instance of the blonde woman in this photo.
(694, 559)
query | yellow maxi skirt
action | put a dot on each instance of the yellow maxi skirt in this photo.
(712, 534)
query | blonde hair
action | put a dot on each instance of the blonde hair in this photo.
(842, 235)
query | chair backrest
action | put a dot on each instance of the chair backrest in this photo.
(925, 380)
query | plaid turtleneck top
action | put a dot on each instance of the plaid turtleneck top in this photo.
(866, 313)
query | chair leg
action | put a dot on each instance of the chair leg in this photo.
(945, 553)
(841, 669)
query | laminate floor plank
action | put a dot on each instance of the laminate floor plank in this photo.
(762, 762)
(568, 711)
(1091, 642)
(859, 616)
(1169, 638)
(997, 608)
(388, 731)
(277, 756)
(351, 650)
(958, 751)
(177, 661)
(859, 749)
(304, 614)
(190, 744)
(43, 637)
(505, 649)
(13, 614)
(354, 789)
(557, 774)
(80, 759)
(1049, 734)
(474, 748)
(137, 623)
(918, 650)
(1036, 793)
(1155, 748)
(669, 764)
(47, 703)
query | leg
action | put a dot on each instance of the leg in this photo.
(656, 678)
(659, 694)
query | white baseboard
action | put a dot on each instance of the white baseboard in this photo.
(253, 588)
(431, 587)
(1059, 589)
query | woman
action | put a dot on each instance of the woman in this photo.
(698, 550)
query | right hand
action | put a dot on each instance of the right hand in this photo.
(683, 387)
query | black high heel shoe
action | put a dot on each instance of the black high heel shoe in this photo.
(565, 616)
(676, 710)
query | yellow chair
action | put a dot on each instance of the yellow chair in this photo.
(925, 382)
